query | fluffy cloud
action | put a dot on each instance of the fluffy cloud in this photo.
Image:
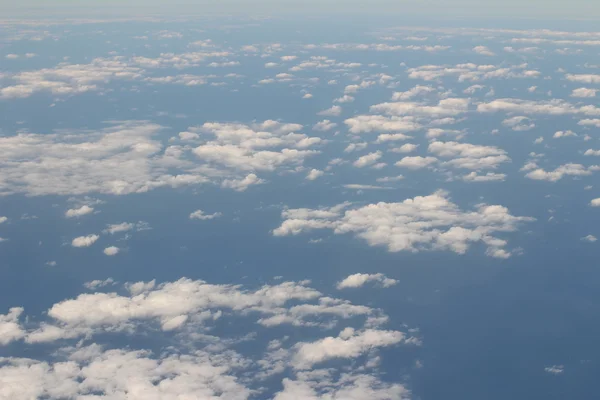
(78, 212)
(118, 160)
(584, 92)
(241, 185)
(570, 169)
(483, 50)
(84, 241)
(445, 108)
(470, 72)
(595, 202)
(358, 280)
(324, 125)
(368, 159)
(111, 251)
(199, 214)
(418, 90)
(314, 174)
(469, 156)
(488, 177)
(552, 107)
(334, 111)
(348, 344)
(519, 123)
(258, 147)
(416, 162)
(10, 328)
(423, 223)
(380, 123)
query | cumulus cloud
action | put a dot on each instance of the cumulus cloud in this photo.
(324, 126)
(368, 159)
(10, 328)
(423, 223)
(314, 174)
(358, 280)
(416, 162)
(348, 344)
(595, 202)
(483, 50)
(589, 238)
(118, 160)
(560, 172)
(334, 111)
(488, 177)
(380, 123)
(471, 72)
(405, 148)
(199, 214)
(84, 241)
(78, 212)
(241, 185)
(262, 146)
(584, 92)
(519, 123)
(469, 156)
(111, 251)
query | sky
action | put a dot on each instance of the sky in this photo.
(576, 9)
(284, 206)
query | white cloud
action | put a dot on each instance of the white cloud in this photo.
(584, 92)
(552, 107)
(583, 78)
(489, 177)
(348, 344)
(199, 214)
(84, 241)
(591, 152)
(96, 284)
(560, 172)
(262, 146)
(562, 134)
(470, 72)
(118, 160)
(416, 162)
(595, 202)
(589, 238)
(334, 111)
(314, 174)
(469, 156)
(125, 227)
(555, 369)
(78, 212)
(344, 99)
(111, 251)
(324, 126)
(380, 123)
(445, 108)
(357, 186)
(358, 280)
(423, 223)
(10, 328)
(367, 160)
(519, 123)
(405, 148)
(241, 185)
(356, 147)
(418, 90)
(3, 220)
(483, 50)
(391, 137)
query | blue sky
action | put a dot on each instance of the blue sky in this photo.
(242, 207)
